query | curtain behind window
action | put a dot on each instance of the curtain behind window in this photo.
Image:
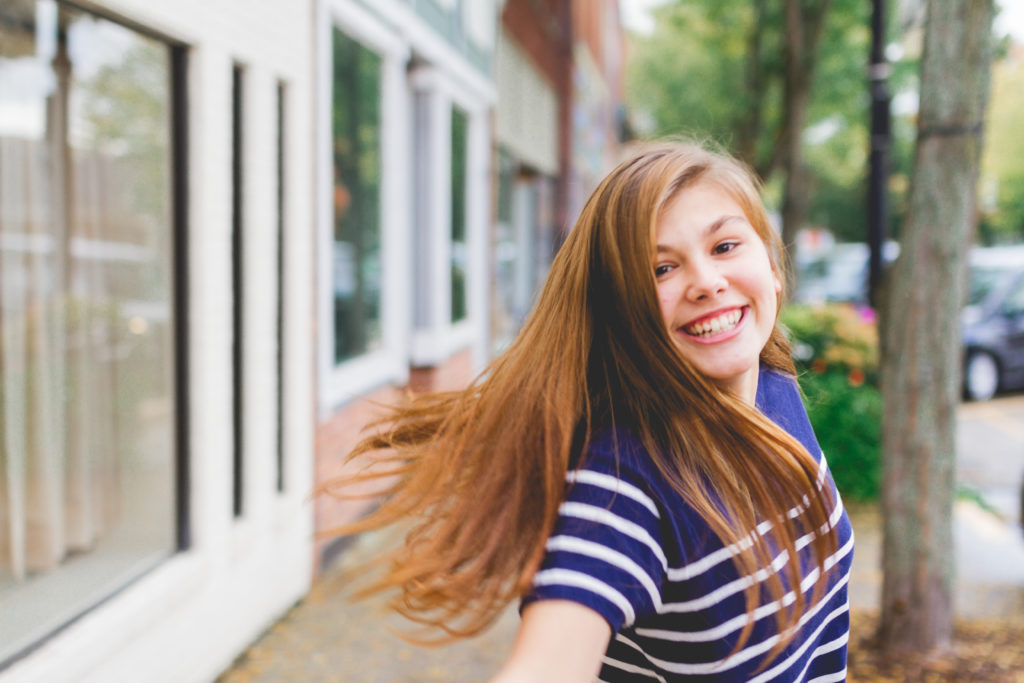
(87, 436)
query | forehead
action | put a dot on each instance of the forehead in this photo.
(701, 206)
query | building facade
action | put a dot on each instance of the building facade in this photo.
(404, 214)
(560, 92)
(227, 232)
(155, 317)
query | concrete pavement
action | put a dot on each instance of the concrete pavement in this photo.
(328, 637)
(987, 532)
(990, 452)
(990, 541)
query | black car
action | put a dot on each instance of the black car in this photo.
(993, 322)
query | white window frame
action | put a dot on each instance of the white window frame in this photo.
(437, 337)
(339, 383)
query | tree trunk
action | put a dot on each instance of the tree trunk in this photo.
(748, 130)
(921, 331)
(804, 22)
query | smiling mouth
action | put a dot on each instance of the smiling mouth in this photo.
(709, 327)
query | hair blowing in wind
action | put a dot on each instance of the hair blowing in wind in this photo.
(477, 475)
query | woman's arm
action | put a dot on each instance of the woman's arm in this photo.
(558, 640)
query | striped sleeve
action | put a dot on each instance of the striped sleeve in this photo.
(605, 551)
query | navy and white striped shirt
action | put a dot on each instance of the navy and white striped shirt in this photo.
(628, 546)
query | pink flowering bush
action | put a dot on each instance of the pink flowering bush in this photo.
(835, 348)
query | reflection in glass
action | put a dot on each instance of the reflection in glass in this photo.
(87, 437)
(460, 252)
(356, 268)
(524, 245)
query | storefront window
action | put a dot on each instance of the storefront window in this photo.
(505, 316)
(357, 174)
(87, 343)
(524, 245)
(460, 251)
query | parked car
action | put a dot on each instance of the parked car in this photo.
(993, 322)
(839, 273)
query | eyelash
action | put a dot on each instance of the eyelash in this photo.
(717, 250)
(730, 244)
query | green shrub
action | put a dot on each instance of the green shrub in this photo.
(835, 348)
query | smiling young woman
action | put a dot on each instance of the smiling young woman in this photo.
(638, 468)
(717, 288)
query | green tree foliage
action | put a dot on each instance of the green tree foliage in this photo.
(715, 68)
(1002, 175)
(688, 75)
(123, 117)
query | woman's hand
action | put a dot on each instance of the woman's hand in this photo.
(558, 640)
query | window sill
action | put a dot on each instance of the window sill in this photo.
(432, 347)
(358, 376)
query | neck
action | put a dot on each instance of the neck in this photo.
(744, 386)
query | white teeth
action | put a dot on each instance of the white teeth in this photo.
(717, 325)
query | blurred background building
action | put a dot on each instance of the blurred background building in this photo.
(226, 229)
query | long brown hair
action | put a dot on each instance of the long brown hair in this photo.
(479, 473)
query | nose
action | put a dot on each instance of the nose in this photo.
(706, 280)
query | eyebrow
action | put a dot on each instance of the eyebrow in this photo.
(710, 230)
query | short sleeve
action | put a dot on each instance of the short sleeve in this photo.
(778, 398)
(605, 551)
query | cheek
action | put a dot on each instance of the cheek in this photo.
(666, 303)
(761, 283)
(773, 295)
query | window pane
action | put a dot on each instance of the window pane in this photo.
(87, 437)
(357, 171)
(505, 316)
(460, 252)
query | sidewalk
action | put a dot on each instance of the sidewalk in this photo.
(989, 563)
(329, 638)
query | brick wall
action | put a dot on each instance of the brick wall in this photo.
(337, 436)
(453, 374)
(542, 28)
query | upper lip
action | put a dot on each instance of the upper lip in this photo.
(712, 314)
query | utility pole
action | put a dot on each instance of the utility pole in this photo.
(878, 180)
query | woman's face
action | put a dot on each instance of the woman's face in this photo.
(717, 289)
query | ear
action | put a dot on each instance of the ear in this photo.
(778, 282)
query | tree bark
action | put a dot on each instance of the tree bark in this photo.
(749, 127)
(921, 331)
(804, 22)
